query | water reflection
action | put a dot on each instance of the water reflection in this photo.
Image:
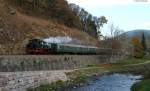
(114, 82)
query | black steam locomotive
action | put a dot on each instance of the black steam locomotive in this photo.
(38, 46)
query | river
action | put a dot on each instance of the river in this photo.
(113, 82)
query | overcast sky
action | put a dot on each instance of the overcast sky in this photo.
(126, 14)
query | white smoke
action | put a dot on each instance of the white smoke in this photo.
(66, 40)
(58, 39)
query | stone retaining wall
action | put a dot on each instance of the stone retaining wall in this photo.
(20, 81)
(51, 62)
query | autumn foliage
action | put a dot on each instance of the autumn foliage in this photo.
(138, 50)
(135, 40)
(58, 10)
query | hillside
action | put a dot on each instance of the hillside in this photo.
(130, 34)
(17, 27)
(138, 33)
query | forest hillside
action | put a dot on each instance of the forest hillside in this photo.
(22, 20)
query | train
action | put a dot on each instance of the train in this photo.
(38, 46)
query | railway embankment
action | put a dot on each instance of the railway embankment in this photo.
(13, 63)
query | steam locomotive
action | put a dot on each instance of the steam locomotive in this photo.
(38, 46)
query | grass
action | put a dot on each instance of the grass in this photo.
(142, 86)
(86, 71)
(132, 60)
(57, 86)
(61, 85)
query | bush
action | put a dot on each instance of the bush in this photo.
(57, 86)
(142, 86)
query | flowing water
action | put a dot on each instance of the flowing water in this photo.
(114, 82)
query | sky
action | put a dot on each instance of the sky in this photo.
(124, 14)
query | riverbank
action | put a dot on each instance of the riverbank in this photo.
(79, 77)
(111, 82)
(142, 86)
(76, 78)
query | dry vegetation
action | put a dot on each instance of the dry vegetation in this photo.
(17, 28)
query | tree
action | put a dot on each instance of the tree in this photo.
(138, 51)
(90, 24)
(99, 22)
(116, 42)
(143, 42)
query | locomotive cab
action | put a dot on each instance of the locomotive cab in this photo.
(52, 48)
(37, 46)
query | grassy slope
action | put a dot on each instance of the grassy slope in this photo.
(131, 60)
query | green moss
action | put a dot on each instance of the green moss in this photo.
(142, 86)
(80, 79)
(50, 87)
